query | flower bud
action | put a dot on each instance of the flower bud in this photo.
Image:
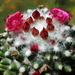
(34, 31)
(26, 27)
(44, 34)
(48, 20)
(34, 47)
(29, 20)
(36, 14)
(50, 27)
(52, 41)
(36, 73)
(41, 17)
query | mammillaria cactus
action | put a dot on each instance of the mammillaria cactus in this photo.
(38, 42)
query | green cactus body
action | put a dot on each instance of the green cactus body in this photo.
(8, 72)
(5, 61)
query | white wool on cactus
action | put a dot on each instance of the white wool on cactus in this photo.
(4, 34)
(9, 39)
(28, 53)
(22, 70)
(60, 67)
(17, 63)
(7, 53)
(44, 45)
(73, 27)
(69, 39)
(67, 53)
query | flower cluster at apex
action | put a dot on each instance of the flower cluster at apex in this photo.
(40, 25)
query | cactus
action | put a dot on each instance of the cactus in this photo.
(37, 42)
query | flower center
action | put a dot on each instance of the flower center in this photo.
(15, 22)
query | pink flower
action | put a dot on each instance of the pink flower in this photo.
(60, 14)
(34, 47)
(14, 21)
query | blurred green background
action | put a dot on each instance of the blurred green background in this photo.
(10, 6)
